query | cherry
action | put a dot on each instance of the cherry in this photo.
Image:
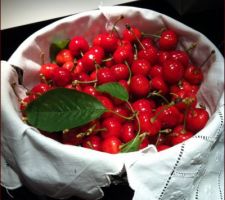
(26, 100)
(140, 66)
(109, 42)
(169, 116)
(196, 119)
(148, 123)
(139, 85)
(193, 75)
(120, 71)
(105, 75)
(88, 89)
(111, 145)
(127, 132)
(168, 40)
(163, 56)
(180, 56)
(162, 147)
(124, 84)
(125, 44)
(142, 105)
(131, 33)
(69, 65)
(112, 126)
(172, 71)
(149, 54)
(78, 45)
(155, 70)
(46, 70)
(179, 135)
(123, 55)
(61, 77)
(158, 83)
(107, 103)
(144, 143)
(146, 43)
(93, 142)
(63, 56)
(123, 111)
(91, 58)
(40, 88)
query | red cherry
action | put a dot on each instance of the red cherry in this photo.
(157, 83)
(149, 54)
(120, 71)
(112, 126)
(111, 145)
(78, 45)
(180, 56)
(40, 88)
(172, 71)
(109, 42)
(163, 56)
(140, 66)
(88, 89)
(69, 65)
(105, 75)
(144, 143)
(162, 147)
(93, 142)
(91, 58)
(196, 119)
(47, 69)
(168, 40)
(131, 34)
(193, 75)
(179, 135)
(123, 55)
(142, 105)
(63, 56)
(155, 70)
(61, 77)
(148, 123)
(125, 44)
(121, 110)
(146, 42)
(127, 132)
(107, 103)
(168, 116)
(124, 84)
(139, 85)
(26, 100)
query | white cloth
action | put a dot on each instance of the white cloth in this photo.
(191, 170)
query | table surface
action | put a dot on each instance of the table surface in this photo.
(209, 21)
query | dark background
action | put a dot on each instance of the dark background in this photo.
(205, 17)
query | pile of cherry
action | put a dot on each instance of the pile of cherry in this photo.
(161, 81)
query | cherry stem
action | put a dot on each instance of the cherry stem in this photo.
(107, 59)
(114, 25)
(155, 93)
(135, 52)
(193, 45)
(151, 35)
(130, 73)
(75, 82)
(43, 79)
(157, 141)
(209, 56)
(130, 29)
(166, 131)
(122, 116)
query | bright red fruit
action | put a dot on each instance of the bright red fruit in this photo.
(120, 71)
(61, 76)
(127, 132)
(139, 85)
(112, 126)
(63, 56)
(140, 66)
(168, 40)
(78, 45)
(111, 145)
(93, 142)
(196, 119)
(142, 105)
(131, 34)
(193, 75)
(47, 69)
(172, 71)
(105, 75)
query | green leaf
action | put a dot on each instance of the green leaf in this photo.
(132, 145)
(56, 46)
(62, 108)
(115, 90)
